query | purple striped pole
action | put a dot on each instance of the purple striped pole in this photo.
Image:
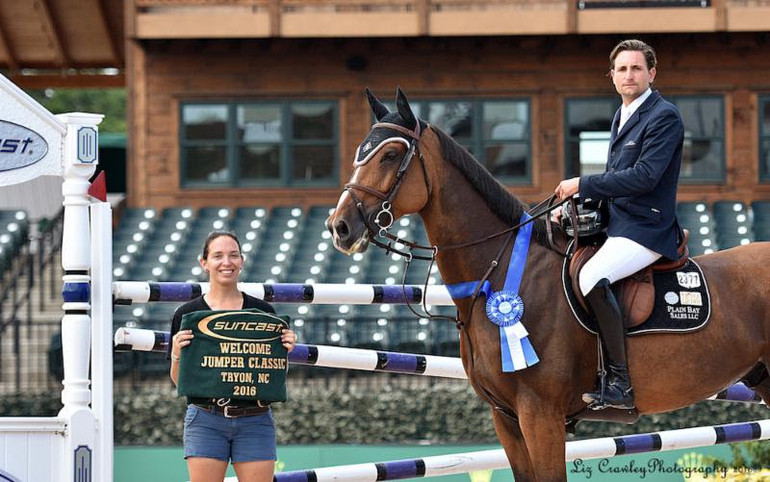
(320, 355)
(495, 459)
(127, 339)
(127, 292)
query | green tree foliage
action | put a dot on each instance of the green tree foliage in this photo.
(110, 102)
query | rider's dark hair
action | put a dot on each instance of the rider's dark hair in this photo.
(636, 46)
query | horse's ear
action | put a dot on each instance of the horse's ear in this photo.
(378, 108)
(404, 109)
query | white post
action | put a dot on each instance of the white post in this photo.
(101, 336)
(79, 160)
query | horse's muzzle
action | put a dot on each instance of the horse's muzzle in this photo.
(348, 238)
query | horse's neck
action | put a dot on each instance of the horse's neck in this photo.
(457, 215)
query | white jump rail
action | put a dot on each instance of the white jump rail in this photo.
(495, 459)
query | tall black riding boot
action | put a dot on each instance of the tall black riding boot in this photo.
(617, 391)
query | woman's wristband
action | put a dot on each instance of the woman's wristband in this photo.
(174, 357)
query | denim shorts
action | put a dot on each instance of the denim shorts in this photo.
(243, 439)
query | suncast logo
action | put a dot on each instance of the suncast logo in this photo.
(239, 321)
(19, 146)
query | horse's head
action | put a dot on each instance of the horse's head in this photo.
(389, 178)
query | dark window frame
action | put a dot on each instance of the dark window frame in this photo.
(478, 142)
(764, 168)
(721, 178)
(233, 145)
(721, 175)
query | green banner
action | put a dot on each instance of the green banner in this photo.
(235, 354)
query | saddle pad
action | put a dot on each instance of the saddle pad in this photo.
(682, 302)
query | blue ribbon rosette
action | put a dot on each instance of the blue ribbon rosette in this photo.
(505, 308)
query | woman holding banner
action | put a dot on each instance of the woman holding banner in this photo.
(217, 431)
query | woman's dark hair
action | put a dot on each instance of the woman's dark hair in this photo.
(216, 234)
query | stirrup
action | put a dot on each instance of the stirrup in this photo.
(601, 403)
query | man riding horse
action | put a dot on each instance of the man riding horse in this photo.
(639, 184)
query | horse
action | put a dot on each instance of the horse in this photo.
(420, 169)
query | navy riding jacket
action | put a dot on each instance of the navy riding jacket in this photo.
(642, 172)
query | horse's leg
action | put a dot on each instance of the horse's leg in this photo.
(544, 432)
(509, 434)
(758, 379)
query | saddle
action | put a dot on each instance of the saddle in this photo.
(636, 293)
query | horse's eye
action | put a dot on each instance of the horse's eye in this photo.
(390, 156)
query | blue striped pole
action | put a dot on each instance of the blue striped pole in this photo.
(127, 292)
(495, 459)
(127, 339)
(321, 355)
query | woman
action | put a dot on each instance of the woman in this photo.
(211, 440)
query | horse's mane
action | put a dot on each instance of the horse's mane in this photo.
(503, 204)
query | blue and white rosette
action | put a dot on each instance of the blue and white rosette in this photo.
(505, 309)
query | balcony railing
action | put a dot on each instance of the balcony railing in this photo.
(384, 18)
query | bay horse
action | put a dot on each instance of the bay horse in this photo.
(420, 169)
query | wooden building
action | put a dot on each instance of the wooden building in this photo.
(260, 102)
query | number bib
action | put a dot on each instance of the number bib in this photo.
(235, 354)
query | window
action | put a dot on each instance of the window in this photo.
(764, 138)
(226, 144)
(588, 123)
(496, 132)
(703, 155)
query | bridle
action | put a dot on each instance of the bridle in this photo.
(381, 220)
(378, 222)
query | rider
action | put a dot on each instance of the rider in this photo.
(640, 184)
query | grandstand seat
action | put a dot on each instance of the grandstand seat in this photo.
(696, 217)
(732, 224)
(411, 335)
(369, 334)
(761, 209)
(312, 253)
(446, 339)
(686, 211)
(728, 209)
(761, 220)
(277, 245)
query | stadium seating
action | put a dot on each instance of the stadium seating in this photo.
(733, 225)
(14, 232)
(290, 244)
(761, 214)
(696, 217)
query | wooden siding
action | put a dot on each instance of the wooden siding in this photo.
(386, 18)
(547, 70)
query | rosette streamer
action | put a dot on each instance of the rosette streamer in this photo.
(505, 307)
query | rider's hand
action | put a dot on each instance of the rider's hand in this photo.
(567, 188)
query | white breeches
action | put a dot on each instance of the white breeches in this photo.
(615, 260)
